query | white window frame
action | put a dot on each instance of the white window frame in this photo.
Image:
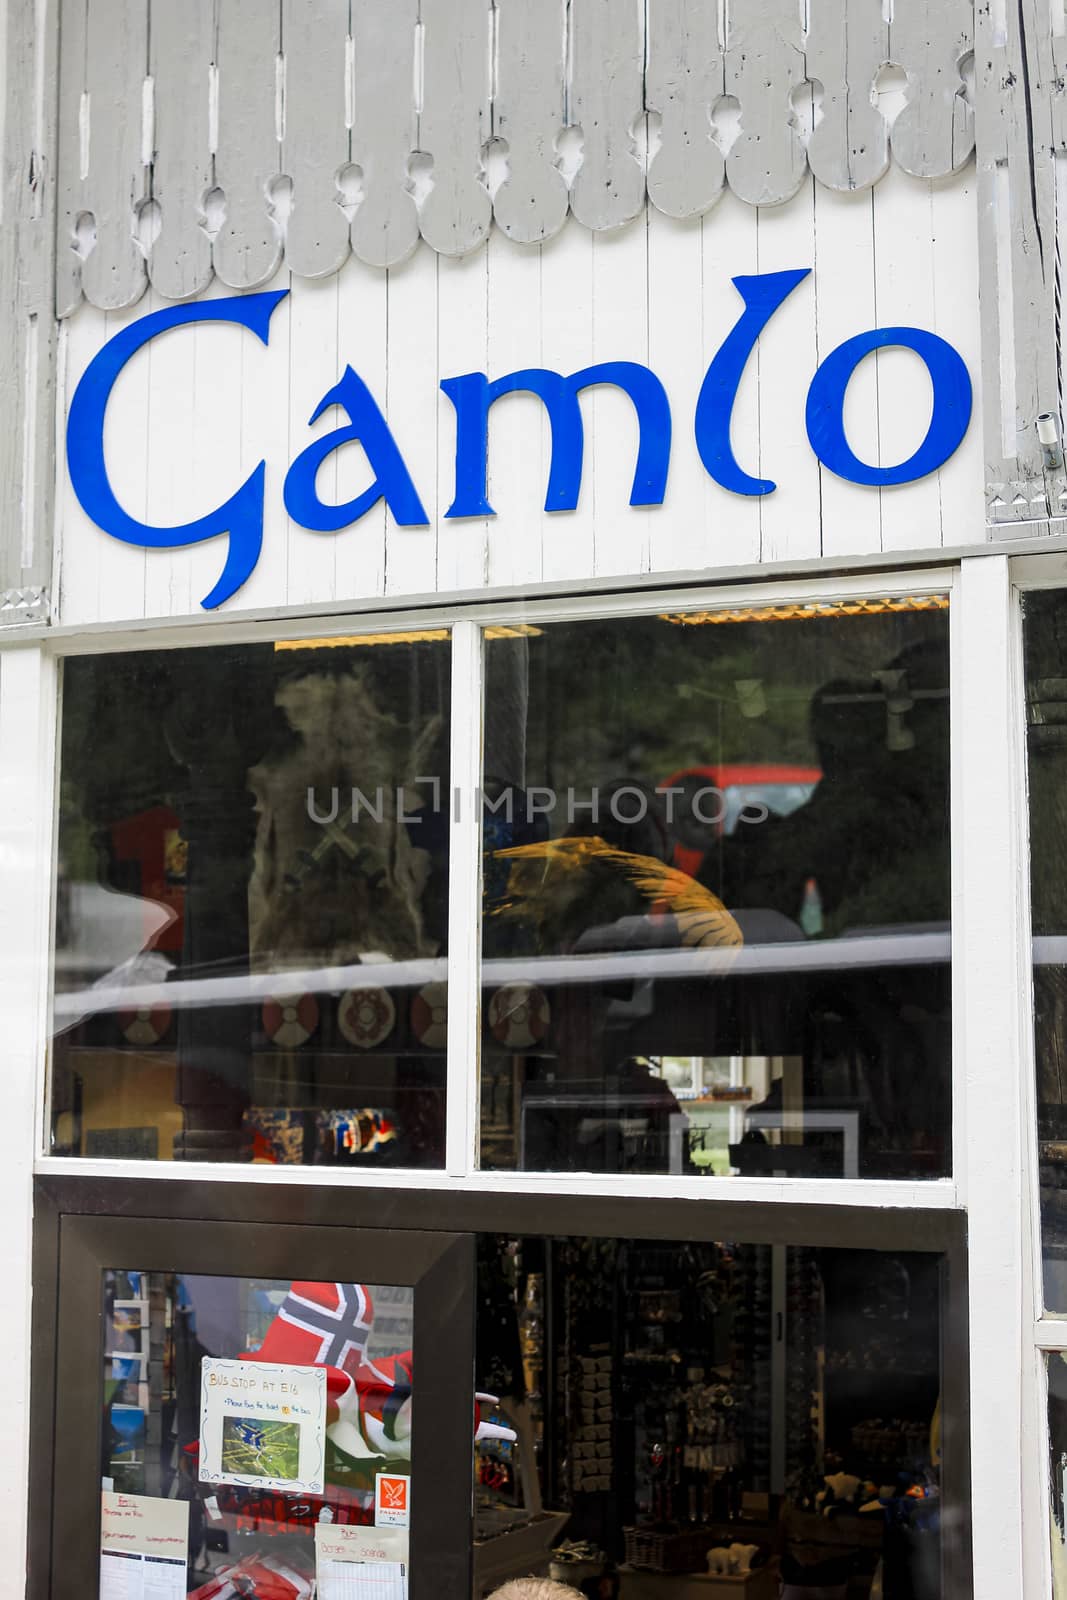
(1043, 1335)
(990, 983)
(462, 1101)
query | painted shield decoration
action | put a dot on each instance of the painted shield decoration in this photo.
(429, 1016)
(146, 1025)
(366, 1017)
(519, 1015)
(290, 1020)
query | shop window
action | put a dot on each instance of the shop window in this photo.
(256, 1437)
(1046, 695)
(716, 928)
(251, 942)
(1057, 1422)
(765, 1416)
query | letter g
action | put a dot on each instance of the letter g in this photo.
(242, 515)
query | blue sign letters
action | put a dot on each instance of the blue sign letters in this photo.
(242, 515)
(715, 407)
(473, 395)
(953, 403)
(393, 481)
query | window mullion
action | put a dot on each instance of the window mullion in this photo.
(464, 899)
(989, 1030)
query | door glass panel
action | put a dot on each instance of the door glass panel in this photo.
(1045, 630)
(251, 927)
(717, 894)
(769, 1415)
(1057, 1425)
(256, 1435)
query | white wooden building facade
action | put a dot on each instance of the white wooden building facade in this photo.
(437, 188)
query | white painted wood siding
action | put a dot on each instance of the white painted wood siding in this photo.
(197, 410)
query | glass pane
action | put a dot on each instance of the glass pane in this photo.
(685, 1408)
(1045, 620)
(252, 906)
(1057, 1426)
(254, 1432)
(716, 930)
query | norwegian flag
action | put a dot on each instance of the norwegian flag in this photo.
(320, 1324)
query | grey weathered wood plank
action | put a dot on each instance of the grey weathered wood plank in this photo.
(116, 65)
(764, 67)
(528, 113)
(71, 200)
(316, 144)
(934, 133)
(1014, 82)
(181, 46)
(606, 103)
(454, 125)
(29, 49)
(846, 47)
(248, 247)
(683, 81)
(385, 228)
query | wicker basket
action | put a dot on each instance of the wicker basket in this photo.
(655, 1551)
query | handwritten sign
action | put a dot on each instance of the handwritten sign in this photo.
(262, 1425)
(144, 1547)
(353, 1563)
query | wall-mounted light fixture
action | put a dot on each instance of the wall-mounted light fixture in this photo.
(1048, 437)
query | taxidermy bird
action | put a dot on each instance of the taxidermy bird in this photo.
(553, 882)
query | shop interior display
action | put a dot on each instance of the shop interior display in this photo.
(744, 1414)
(248, 820)
(715, 919)
(696, 821)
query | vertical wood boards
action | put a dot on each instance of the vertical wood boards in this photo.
(454, 123)
(849, 146)
(934, 134)
(202, 407)
(71, 154)
(112, 173)
(606, 104)
(181, 52)
(528, 115)
(684, 81)
(1020, 143)
(385, 228)
(315, 147)
(28, 332)
(376, 118)
(764, 69)
(248, 248)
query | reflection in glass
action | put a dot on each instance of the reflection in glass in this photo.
(716, 894)
(252, 904)
(1045, 636)
(230, 1492)
(687, 1407)
(1057, 1425)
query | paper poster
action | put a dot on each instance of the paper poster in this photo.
(144, 1547)
(392, 1500)
(262, 1425)
(349, 1542)
(354, 1563)
(362, 1580)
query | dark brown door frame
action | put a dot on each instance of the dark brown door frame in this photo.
(301, 1218)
